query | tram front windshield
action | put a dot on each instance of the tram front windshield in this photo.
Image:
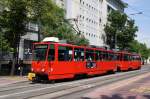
(39, 52)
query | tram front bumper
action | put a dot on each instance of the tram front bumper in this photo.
(31, 76)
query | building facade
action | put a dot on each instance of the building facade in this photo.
(91, 16)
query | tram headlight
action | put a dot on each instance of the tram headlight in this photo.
(51, 69)
(32, 69)
(43, 70)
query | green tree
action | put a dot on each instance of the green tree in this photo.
(13, 20)
(119, 30)
(140, 48)
(135, 46)
(4, 45)
(52, 22)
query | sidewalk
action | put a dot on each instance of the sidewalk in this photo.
(6, 80)
(135, 88)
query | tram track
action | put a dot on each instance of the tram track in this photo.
(65, 87)
(81, 87)
(3, 89)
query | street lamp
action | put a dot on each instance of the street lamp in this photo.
(136, 13)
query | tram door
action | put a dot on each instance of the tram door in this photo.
(89, 57)
(79, 62)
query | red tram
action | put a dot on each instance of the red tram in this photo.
(52, 61)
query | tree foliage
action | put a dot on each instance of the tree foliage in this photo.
(119, 30)
(51, 19)
(4, 45)
(140, 48)
(17, 13)
(13, 21)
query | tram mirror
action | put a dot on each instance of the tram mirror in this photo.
(70, 52)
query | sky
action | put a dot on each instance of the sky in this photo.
(141, 20)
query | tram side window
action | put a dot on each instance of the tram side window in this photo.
(64, 53)
(110, 56)
(51, 53)
(98, 56)
(89, 55)
(130, 58)
(78, 54)
(126, 57)
(105, 56)
(136, 58)
(116, 57)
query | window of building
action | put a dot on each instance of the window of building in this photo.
(51, 53)
(80, 1)
(109, 9)
(78, 54)
(87, 19)
(86, 4)
(64, 53)
(83, 17)
(83, 2)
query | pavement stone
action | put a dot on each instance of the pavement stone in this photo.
(6, 80)
(139, 89)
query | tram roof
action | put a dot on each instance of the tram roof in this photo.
(65, 44)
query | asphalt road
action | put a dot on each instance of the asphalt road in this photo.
(69, 89)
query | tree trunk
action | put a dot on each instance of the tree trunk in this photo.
(15, 59)
(13, 65)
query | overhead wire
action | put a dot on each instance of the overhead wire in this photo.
(139, 11)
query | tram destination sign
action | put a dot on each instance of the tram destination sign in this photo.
(41, 46)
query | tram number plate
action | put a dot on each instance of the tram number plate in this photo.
(91, 64)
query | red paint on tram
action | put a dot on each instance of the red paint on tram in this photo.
(59, 61)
